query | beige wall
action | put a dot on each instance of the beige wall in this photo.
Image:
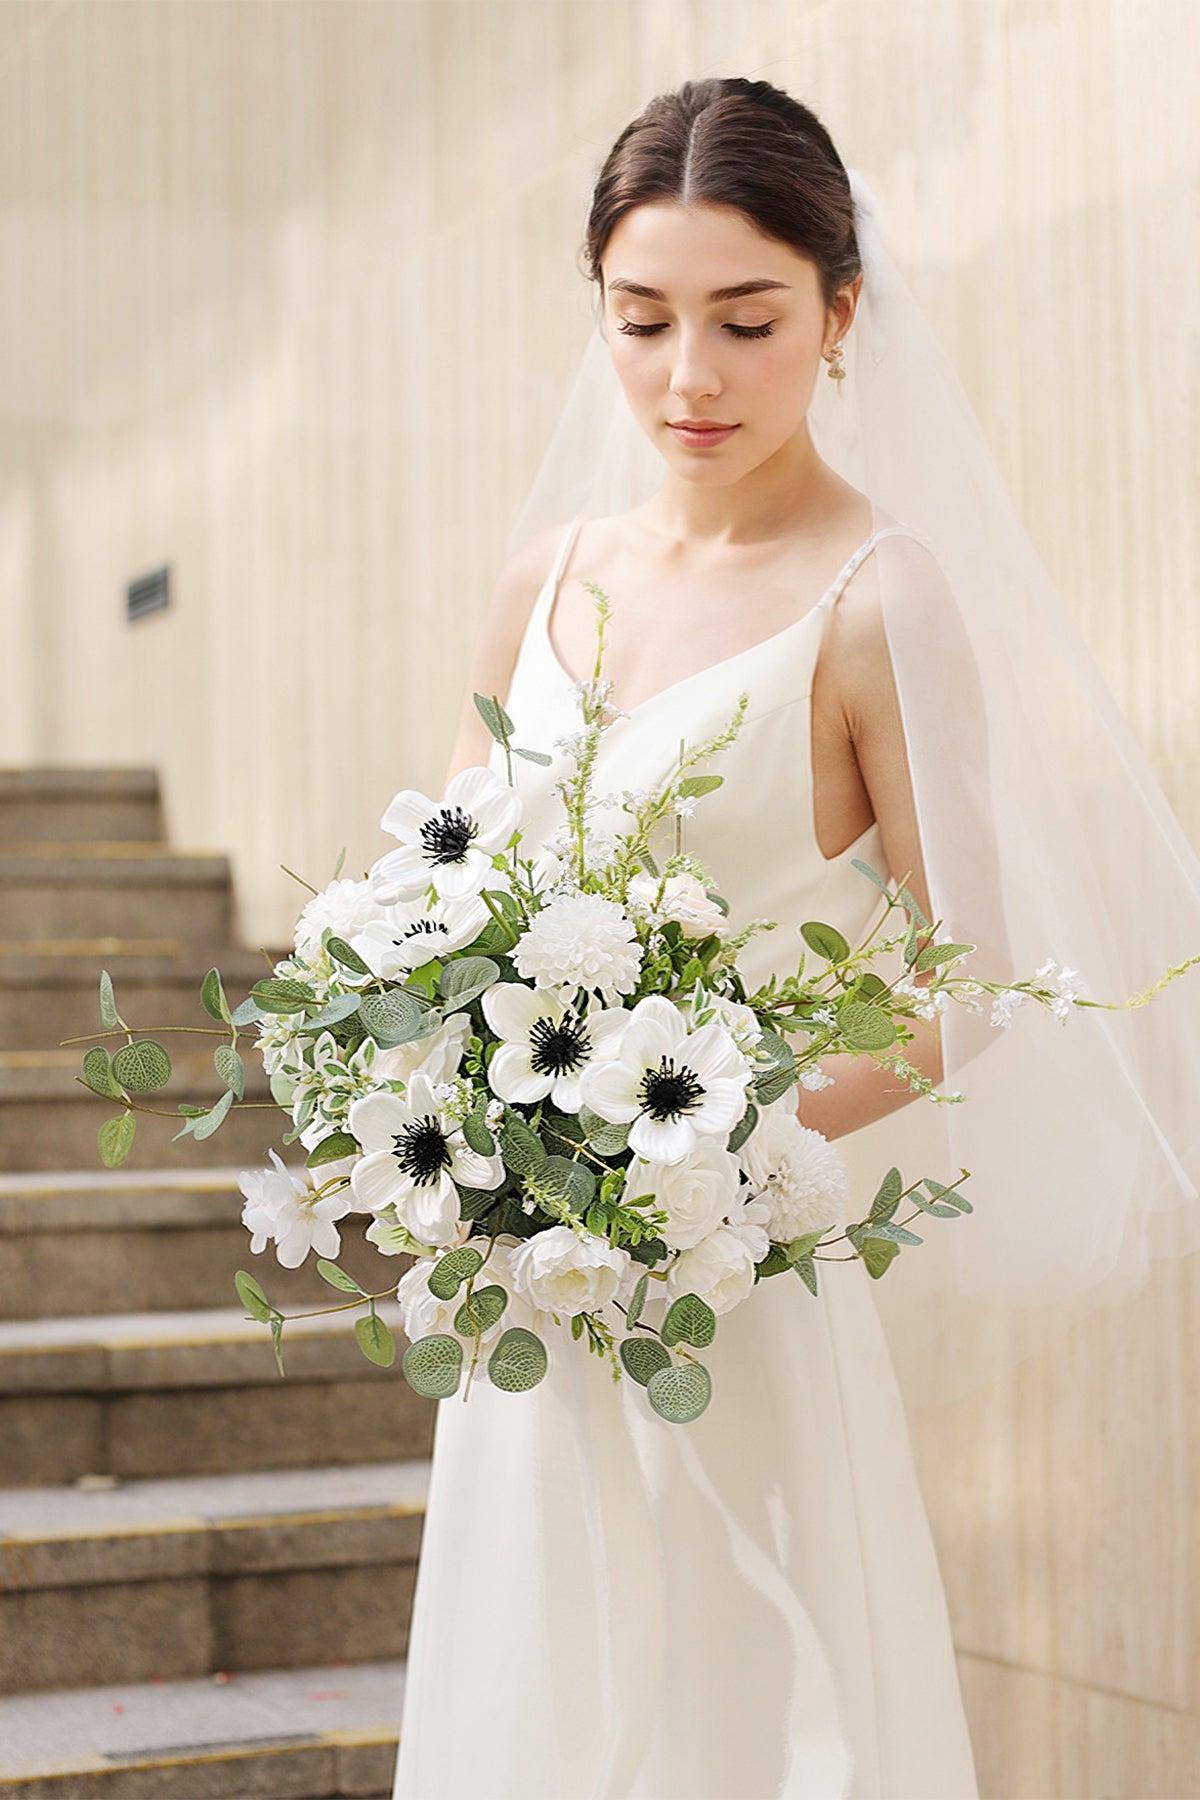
(271, 277)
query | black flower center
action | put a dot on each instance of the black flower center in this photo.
(421, 1149)
(558, 1045)
(446, 836)
(421, 928)
(666, 1091)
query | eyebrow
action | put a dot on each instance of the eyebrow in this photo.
(761, 286)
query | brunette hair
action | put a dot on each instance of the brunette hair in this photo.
(730, 141)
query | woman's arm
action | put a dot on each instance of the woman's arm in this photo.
(498, 641)
(860, 665)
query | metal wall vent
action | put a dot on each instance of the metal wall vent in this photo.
(149, 593)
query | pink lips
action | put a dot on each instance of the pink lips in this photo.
(701, 434)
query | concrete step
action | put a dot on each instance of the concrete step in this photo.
(49, 1120)
(85, 891)
(196, 1575)
(186, 1393)
(325, 1732)
(160, 1239)
(48, 994)
(69, 804)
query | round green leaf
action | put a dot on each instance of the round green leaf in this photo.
(142, 1067)
(394, 1018)
(681, 1393)
(519, 1360)
(866, 1027)
(332, 1148)
(341, 952)
(432, 1365)
(643, 1357)
(252, 1296)
(212, 997)
(451, 1270)
(466, 977)
(689, 1320)
(97, 1074)
(480, 1310)
(521, 1148)
(280, 994)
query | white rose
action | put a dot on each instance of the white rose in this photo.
(422, 1313)
(720, 1269)
(684, 899)
(695, 1194)
(565, 1271)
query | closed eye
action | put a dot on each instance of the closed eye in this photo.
(741, 331)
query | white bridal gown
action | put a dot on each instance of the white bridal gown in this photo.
(611, 1607)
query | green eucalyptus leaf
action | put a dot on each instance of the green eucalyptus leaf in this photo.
(743, 1128)
(344, 953)
(395, 1017)
(109, 1016)
(643, 1357)
(494, 717)
(878, 1254)
(98, 1075)
(230, 1068)
(375, 1340)
(332, 1149)
(142, 1067)
(689, 1320)
(252, 1296)
(533, 756)
(450, 1271)
(519, 1360)
(866, 869)
(203, 1128)
(521, 1148)
(245, 1014)
(279, 994)
(480, 1310)
(680, 1394)
(433, 1365)
(212, 998)
(866, 1027)
(338, 1278)
(464, 978)
(825, 940)
(637, 1300)
(116, 1138)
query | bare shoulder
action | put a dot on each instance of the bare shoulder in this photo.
(900, 576)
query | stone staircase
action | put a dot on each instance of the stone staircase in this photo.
(206, 1569)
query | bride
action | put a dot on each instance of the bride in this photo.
(767, 468)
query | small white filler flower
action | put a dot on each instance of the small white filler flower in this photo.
(281, 1207)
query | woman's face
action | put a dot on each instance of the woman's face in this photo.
(747, 359)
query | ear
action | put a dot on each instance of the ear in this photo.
(844, 306)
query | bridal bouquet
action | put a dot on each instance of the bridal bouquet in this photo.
(543, 1078)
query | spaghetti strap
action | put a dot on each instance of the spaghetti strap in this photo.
(829, 597)
(564, 550)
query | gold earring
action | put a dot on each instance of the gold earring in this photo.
(837, 367)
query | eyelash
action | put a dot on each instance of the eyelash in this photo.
(741, 331)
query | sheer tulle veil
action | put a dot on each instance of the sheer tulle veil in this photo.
(1045, 834)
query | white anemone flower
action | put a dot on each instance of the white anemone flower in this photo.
(282, 1207)
(413, 1155)
(448, 843)
(671, 1085)
(411, 932)
(546, 1043)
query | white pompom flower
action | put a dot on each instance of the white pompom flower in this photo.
(672, 1086)
(347, 906)
(448, 844)
(413, 1155)
(796, 1171)
(546, 1043)
(410, 932)
(580, 941)
(282, 1207)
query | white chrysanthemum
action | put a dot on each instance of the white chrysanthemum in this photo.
(411, 932)
(796, 1170)
(281, 1206)
(566, 1271)
(672, 1086)
(546, 1043)
(684, 899)
(347, 906)
(448, 843)
(580, 941)
(696, 1194)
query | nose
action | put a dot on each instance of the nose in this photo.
(693, 377)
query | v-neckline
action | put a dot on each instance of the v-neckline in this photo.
(554, 582)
